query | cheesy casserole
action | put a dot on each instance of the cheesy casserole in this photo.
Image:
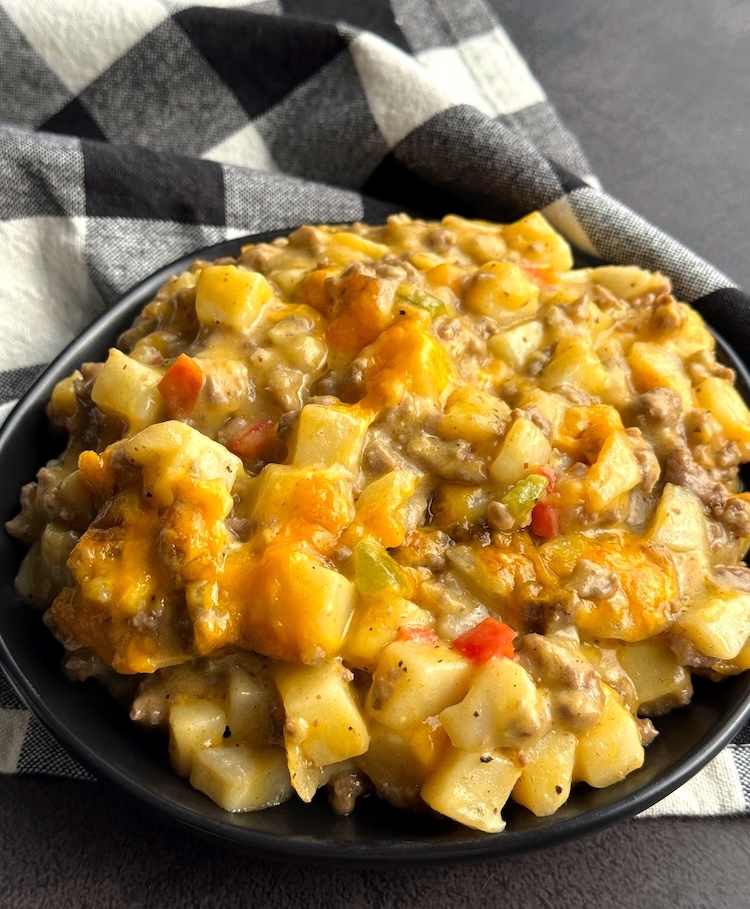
(417, 508)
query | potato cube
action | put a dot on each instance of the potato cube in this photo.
(473, 415)
(457, 505)
(516, 345)
(538, 242)
(329, 436)
(627, 281)
(296, 607)
(250, 701)
(661, 684)
(472, 787)
(680, 522)
(524, 448)
(610, 749)
(230, 297)
(575, 363)
(653, 366)
(397, 763)
(499, 288)
(343, 243)
(414, 681)
(724, 402)
(128, 389)
(502, 709)
(375, 624)
(322, 714)
(382, 510)
(615, 472)
(194, 724)
(717, 625)
(242, 777)
(319, 497)
(544, 784)
(171, 451)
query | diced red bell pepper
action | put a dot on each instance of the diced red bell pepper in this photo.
(545, 520)
(417, 633)
(181, 386)
(254, 441)
(490, 638)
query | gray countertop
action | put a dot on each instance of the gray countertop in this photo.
(658, 91)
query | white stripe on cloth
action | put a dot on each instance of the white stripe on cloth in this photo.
(715, 790)
(82, 44)
(487, 71)
(13, 728)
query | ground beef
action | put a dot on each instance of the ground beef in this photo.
(681, 469)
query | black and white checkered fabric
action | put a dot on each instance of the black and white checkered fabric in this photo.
(135, 131)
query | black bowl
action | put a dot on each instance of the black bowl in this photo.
(97, 731)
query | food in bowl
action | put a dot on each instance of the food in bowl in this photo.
(418, 509)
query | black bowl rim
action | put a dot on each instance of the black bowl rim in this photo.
(407, 851)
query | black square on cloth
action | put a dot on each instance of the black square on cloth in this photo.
(324, 130)
(135, 182)
(164, 94)
(40, 179)
(266, 59)
(74, 120)
(29, 90)
(374, 17)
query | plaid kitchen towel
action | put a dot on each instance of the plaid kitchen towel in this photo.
(135, 131)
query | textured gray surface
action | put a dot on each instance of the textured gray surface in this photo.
(658, 94)
(76, 845)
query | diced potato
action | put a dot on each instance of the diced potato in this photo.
(544, 784)
(517, 344)
(653, 366)
(170, 451)
(680, 521)
(473, 415)
(615, 472)
(319, 497)
(502, 709)
(575, 363)
(457, 505)
(348, 242)
(661, 684)
(627, 281)
(242, 777)
(299, 607)
(128, 389)
(382, 510)
(397, 763)
(717, 625)
(551, 406)
(414, 681)
(328, 436)
(538, 242)
(194, 724)
(692, 335)
(249, 703)
(524, 448)
(472, 787)
(610, 749)
(230, 297)
(375, 624)
(499, 288)
(322, 714)
(288, 279)
(724, 402)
